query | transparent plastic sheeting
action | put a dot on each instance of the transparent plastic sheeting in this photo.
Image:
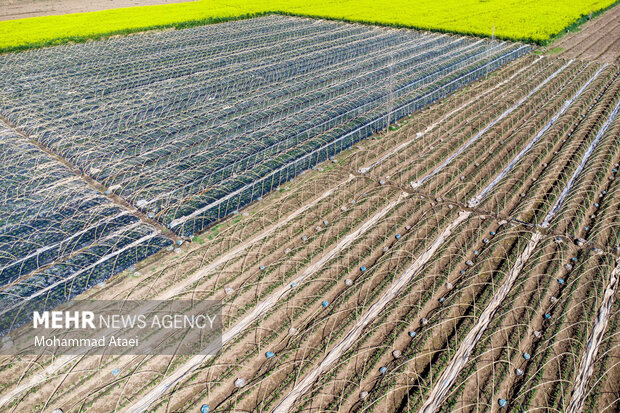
(58, 236)
(191, 125)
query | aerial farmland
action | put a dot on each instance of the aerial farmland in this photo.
(392, 215)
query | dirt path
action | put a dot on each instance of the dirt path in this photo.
(598, 39)
(20, 9)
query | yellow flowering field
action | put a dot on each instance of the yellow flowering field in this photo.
(533, 21)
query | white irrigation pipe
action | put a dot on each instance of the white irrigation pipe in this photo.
(588, 358)
(508, 111)
(402, 146)
(586, 156)
(62, 361)
(476, 200)
(351, 337)
(449, 375)
(259, 311)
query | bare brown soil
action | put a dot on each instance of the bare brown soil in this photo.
(598, 39)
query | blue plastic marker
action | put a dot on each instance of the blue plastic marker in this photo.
(270, 354)
(362, 269)
(397, 236)
(547, 316)
(502, 403)
(116, 371)
(325, 303)
(383, 370)
(205, 408)
(561, 281)
(526, 356)
(412, 334)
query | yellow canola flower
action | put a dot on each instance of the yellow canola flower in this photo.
(525, 20)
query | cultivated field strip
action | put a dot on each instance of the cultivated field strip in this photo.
(275, 384)
(492, 279)
(267, 396)
(598, 39)
(239, 113)
(59, 237)
(447, 379)
(592, 149)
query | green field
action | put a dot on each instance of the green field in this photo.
(525, 20)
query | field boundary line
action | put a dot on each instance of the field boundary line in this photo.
(92, 183)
